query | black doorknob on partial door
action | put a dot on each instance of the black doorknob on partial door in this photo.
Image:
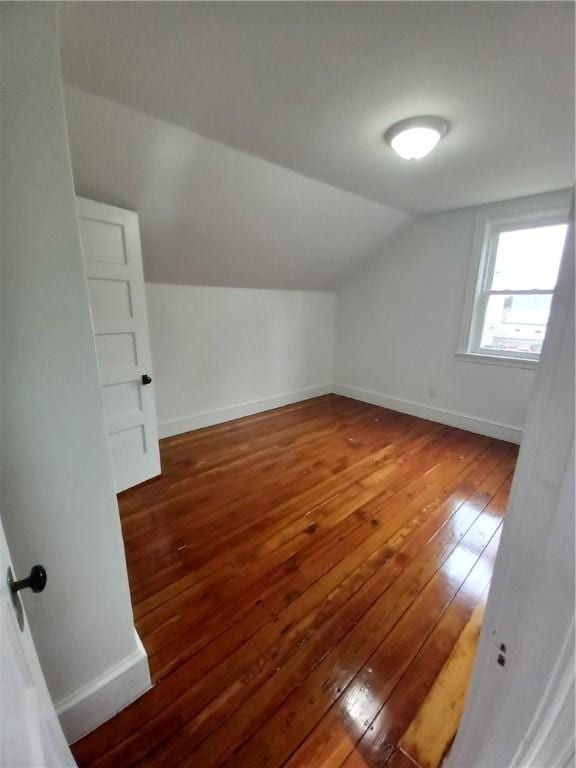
(36, 581)
(146, 379)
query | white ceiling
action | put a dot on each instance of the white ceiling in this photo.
(312, 86)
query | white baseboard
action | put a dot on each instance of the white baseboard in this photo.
(209, 418)
(450, 418)
(102, 698)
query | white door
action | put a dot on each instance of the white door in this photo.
(113, 258)
(30, 734)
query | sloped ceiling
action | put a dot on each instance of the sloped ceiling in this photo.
(310, 88)
(211, 215)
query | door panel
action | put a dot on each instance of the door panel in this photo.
(104, 241)
(110, 298)
(113, 258)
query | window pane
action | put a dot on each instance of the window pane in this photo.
(528, 258)
(516, 323)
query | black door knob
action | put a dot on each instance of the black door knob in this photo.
(146, 379)
(36, 581)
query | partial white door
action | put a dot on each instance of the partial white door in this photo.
(30, 734)
(113, 258)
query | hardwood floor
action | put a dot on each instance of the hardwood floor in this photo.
(305, 582)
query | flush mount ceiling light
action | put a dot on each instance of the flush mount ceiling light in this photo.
(416, 137)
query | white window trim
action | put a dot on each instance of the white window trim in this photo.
(537, 211)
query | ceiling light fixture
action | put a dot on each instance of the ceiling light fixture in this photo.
(416, 137)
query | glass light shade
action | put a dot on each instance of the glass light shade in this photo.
(415, 143)
(415, 137)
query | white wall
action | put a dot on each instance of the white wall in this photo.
(221, 353)
(398, 326)
(58, 501)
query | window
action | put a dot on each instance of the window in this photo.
(516, 273)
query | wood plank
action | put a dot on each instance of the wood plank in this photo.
(430, 734)
(290, 565)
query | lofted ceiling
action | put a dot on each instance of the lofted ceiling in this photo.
(311, 86)
(211, 215)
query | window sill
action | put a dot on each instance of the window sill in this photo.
(509, 362)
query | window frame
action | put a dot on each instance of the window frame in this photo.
(490, 223)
